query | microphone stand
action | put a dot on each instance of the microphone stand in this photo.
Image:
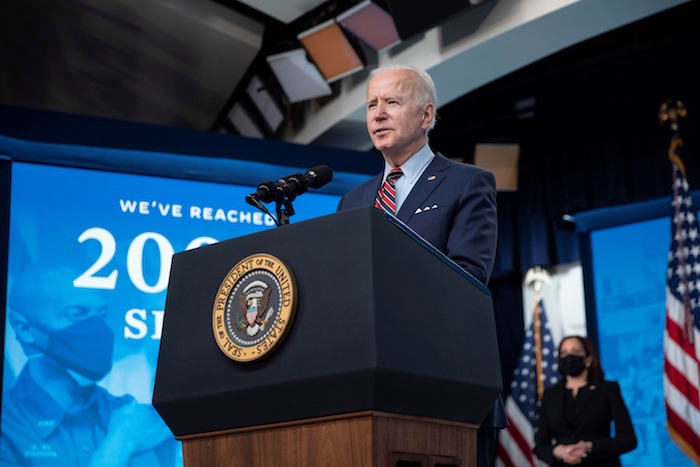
(284, 209)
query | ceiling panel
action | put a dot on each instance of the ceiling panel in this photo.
(164, 62)
(285, 11)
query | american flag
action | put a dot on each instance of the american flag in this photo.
(537, 370)
(681, 336)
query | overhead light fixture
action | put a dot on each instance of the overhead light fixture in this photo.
(331, 51)
(371, 24)
(299, 78)
(266, 104)
(243, 123)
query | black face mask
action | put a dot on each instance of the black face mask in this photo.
(84, 347)
(572, 365)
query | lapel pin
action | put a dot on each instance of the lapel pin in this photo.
(431, 178)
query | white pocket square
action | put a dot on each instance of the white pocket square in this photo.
(426, 208)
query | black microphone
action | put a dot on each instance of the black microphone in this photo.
(265, 193)
(297, 184)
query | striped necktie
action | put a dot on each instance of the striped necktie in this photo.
(386, 196)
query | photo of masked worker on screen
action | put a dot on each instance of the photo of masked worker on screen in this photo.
(56, 413)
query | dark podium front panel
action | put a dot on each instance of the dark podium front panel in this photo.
(382, 323)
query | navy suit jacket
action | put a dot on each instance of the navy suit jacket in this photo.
(452, 206)
(596, 406)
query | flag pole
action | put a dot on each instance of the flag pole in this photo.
(535, 277)
(670, 113)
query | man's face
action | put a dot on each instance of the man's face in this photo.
(395, 123)
(62, 306)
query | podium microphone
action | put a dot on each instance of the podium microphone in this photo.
(265, 193)
(298, 184)
(292, 185)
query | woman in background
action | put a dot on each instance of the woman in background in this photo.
(574, 426)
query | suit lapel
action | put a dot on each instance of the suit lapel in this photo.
(433, 175)
(371, 194)
(559, 406)
(583, 399)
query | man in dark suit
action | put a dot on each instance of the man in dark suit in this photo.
(451, 205)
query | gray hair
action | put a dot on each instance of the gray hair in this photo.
(425, 92)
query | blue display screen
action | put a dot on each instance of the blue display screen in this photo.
(107, 238)
(629, 264)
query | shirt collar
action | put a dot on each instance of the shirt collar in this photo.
(415, 165)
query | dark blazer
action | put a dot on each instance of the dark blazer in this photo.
(596, 406)
(452, 206)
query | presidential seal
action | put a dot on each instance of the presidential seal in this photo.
(254, 308)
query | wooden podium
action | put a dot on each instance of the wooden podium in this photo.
(391, 358)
